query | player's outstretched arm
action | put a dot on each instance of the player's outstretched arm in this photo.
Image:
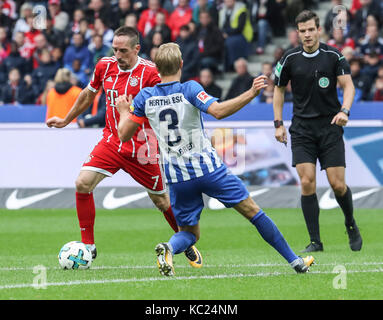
(84, 100)
(126, 126)
(229, 107)
(278, 101)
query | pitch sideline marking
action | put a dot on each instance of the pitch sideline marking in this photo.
(205, 266)
(151, 279)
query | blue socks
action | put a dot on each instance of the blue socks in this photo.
(272, 235)
(181, 240)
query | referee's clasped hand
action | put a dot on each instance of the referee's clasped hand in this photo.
(340, 119)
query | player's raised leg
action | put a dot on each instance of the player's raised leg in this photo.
(271, 234)
(86, 211)
(179, 242)
(187, 203)
(343, 195)
(148, 173)
(162, 202)
(231, 191)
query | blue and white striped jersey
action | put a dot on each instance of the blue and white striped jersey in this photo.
(174, 113)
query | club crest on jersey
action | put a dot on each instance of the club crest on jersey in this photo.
(203, 97)
(324, 82)
(134, 81)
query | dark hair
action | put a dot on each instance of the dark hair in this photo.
(14, 47)
(204, 11)
(98, 36)
(103, 21)
(13, 69)
(373, 54)
(305, 16)
(185, 27)
(355, 60)
(130, 32)
(79, 34)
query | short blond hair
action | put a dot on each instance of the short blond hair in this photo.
(168, 59)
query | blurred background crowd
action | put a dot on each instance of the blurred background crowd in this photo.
(49, 48)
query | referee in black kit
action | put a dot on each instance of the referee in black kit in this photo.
(316, 130)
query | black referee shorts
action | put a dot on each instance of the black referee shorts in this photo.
(317, 139)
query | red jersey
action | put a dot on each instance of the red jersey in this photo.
(348, 42)
(116, 82)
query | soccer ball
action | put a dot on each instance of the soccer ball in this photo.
(75, 255)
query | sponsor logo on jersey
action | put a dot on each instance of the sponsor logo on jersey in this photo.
(324, 82)
(203, 97)
(109, 79)
(112, 95)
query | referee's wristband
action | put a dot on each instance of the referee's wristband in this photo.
(345, 111)
(278, 123)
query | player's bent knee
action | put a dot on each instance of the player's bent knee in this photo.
(83, 185)
(338, 187)
(248, 208)
(307, 182)
(308, 185)
(197, 236)
(161, 201)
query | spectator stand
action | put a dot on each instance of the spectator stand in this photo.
(274, 46)
(96, 16)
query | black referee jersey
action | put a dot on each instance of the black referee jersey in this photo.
(313, 79)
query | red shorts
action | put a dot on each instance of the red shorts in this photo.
(107, 160)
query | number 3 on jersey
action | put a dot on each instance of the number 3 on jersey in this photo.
(171, 117)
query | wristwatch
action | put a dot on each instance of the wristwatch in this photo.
(345, 111)
(278, 123)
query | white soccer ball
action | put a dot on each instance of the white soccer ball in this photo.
(75, 255)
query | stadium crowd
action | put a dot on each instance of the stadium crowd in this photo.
(215, 36)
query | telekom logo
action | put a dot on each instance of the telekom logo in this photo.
(112, 96)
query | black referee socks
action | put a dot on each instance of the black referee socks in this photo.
(345, 203)
(310, 208)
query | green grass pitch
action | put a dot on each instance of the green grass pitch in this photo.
(238, 264)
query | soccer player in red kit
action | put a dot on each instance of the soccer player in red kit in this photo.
(125, 73)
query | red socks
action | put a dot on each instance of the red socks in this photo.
(169, 216)
(86, 213)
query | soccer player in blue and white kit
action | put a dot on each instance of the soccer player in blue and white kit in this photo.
(192, 166)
